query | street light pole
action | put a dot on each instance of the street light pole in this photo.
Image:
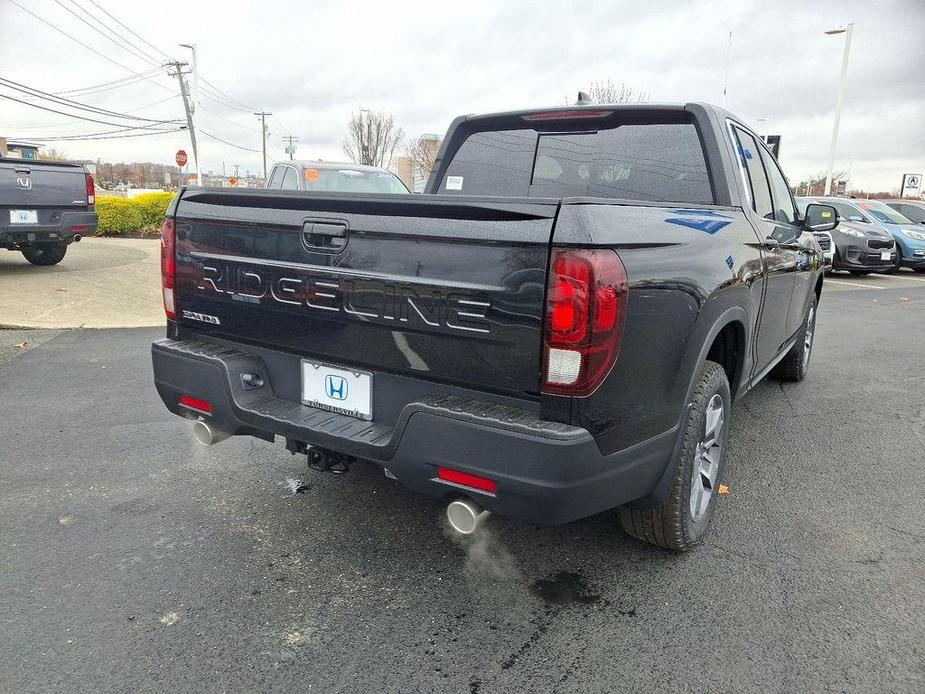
(847, 31)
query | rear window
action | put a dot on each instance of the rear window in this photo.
(659, 162)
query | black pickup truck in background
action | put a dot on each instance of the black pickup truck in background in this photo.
(44, 207)
(558, 327)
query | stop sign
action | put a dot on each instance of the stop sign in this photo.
(181, 157)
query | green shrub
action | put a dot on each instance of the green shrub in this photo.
(153, 206)
(118, 216)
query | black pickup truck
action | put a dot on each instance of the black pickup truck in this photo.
(557, 327)
(44, 207)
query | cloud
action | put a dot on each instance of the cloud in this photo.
(312, 64)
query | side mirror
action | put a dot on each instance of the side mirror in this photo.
(820, 217)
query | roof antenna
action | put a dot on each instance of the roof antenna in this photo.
(583, 99)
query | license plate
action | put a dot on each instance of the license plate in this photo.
(24, 217)
(336, 389)
(885, 255)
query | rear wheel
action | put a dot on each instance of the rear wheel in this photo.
(45, 253)
(681, 521)
(795, 365)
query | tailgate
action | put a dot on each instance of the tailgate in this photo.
(25, 184)
(445, 288)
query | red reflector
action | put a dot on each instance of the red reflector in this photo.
(465, 479)
(555, 115)
(79, 229)
(196, 404)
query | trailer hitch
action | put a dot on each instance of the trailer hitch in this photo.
(321, 459)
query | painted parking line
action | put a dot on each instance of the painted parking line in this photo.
(855, 284)
(899, 277)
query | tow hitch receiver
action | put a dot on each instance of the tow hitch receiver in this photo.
(321, 459)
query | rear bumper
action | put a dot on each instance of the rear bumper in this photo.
(545, 472)
(66, 224)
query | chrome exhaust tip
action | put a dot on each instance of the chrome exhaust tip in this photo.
(206, 435)
(77, 237)
(464, 516)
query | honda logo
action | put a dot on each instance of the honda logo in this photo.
(335, 387)
(24, 182)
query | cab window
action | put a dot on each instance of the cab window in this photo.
(780, 191)
(276, 176)
(750, 160)
(290, 179)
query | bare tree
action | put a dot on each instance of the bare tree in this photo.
(815, 184)
(609, 93)
(372, 138)
(422, 151)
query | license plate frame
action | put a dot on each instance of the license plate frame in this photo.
(355, 386)
(24, 217)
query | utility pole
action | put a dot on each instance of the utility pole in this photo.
(192, 47)
(847, 31)
(184, 92)
(263, 129)
(290, 149)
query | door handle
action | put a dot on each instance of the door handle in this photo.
(328, 236)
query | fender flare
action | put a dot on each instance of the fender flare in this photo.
(727, 317)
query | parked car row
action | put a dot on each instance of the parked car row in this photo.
(874, 236)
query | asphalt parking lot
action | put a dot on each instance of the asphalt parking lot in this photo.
(133, 560)
(101, 283)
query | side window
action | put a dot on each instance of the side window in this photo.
(290, 179)
(780, 191)
(276, 176)
(846, 211)
(750, 159)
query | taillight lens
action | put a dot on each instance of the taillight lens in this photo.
(585, 313)
(91, 190)
(168, 267)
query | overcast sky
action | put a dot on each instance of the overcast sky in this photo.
(312, 63)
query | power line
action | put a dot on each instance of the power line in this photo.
(70, 124)
(230, 144)
(138, 36)
(105, 35)
(70, 103)
(227, 120)
(72, 115)
(216, 99)
(89, 48)
(105, 86)
(92, 136)
(240, 104)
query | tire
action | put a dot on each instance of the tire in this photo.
(795, 365)
(919, 269)
(682, 519)
(45, 253)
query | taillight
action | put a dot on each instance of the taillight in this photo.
(168, 267)
(585, 313)
(91, 190)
